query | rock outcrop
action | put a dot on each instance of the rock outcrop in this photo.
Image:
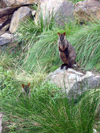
(62, 10)
(88, 10)
(19, 15)
(10, 18)
(72, 82)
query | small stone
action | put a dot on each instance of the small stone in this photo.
(5, 38)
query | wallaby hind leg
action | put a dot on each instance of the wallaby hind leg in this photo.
(63, 65)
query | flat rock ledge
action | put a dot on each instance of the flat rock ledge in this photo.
(72, 82)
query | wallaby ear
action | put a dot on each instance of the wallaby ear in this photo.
(58, 33)
(23, 85)
(64, 33)
(28, 84)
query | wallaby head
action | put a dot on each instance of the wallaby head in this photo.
(61, 37)
(26, 88)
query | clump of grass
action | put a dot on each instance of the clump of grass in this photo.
(43, 113)
(61, 116)
(34, 78)
(29, 30)
(6, 61)
(21, 112)
(11, 78)
(87, 45)
(42, 54)
(29, 33)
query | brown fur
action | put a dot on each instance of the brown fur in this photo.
(66, 51)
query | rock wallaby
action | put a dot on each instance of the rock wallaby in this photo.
(25, 90)
(66, 51)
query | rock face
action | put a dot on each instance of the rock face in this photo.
(74, 83)
(20, 14)
(19, 2)
(62, 10)
(87, 10)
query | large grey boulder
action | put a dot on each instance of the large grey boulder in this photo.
(72, 82)
(88, 10)
(19, 15)
(62, 10)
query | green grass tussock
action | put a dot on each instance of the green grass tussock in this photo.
(43, 113)
(30, 30)
(42, 54)
(62, 116)
(87, 45)
(6, 61)
(21, 111)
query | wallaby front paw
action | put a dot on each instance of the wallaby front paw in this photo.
(62, 66)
